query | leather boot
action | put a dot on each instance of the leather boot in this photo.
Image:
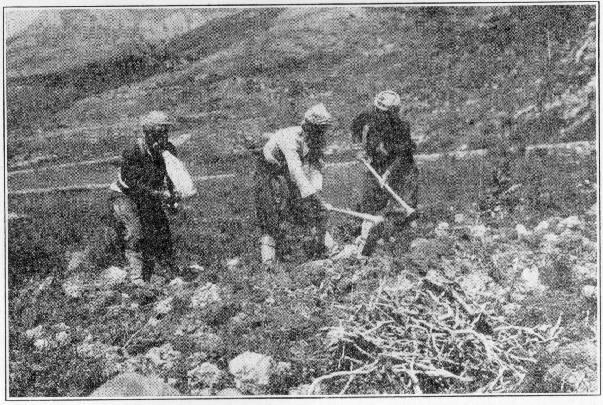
(135, 267)
(268, 249)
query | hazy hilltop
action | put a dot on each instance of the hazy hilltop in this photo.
(463, 72)
(62, 39)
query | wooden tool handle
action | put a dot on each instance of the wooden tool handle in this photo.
(409, 210)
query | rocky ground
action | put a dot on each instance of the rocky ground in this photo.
(482, 308)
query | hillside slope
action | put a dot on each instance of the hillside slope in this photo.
(466, 75)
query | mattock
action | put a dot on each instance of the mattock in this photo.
(369, 221)
(409, 210)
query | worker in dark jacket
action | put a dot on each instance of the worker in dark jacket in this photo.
(138, 196)
(387, 145)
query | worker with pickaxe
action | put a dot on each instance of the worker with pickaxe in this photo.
(391, 179)
(288, 182)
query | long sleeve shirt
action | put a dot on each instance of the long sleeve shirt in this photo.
(386, 140)
(288, 149)
(142, 172)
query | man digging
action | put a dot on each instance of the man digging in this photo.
(284, 192)
(388, 148)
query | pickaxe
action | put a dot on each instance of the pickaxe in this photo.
(409, 210)
(376, 219)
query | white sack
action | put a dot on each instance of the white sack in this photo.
(182, 180)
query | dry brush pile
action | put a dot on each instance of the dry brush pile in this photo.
(428, 337)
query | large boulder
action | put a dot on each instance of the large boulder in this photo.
(134, 385)
(252, 372)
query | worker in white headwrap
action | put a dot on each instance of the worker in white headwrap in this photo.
(289, 181)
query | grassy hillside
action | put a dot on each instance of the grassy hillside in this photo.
(465, 74)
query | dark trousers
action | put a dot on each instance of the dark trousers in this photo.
(378, 201)
(278, 200)
(143, 230)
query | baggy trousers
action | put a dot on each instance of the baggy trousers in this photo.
(377, 201)
(143, 231)
(278, 200)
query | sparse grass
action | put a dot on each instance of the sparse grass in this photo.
(218, 225)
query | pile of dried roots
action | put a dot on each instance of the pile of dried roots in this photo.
(430, 338)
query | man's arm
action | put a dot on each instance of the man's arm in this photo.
(172, 150)
(294, 164)
(358, 125)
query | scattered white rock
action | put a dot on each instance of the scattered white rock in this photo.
(163, 357)
(205, 295)
(459, 218)
(586, 272)
(73, 287)
(35, 333)
(542, 227)
(511, 309)
(252, 371)
(206, 375)
(77, 259)
(530, 277)
(522, 232)
(572, 222)
(42, 344)
(589, 292)
(303, 390)
(478, 231)
(346, 252)
(14, 216)
(419, 243)
(593, 211)
(177, 283)
(196, 268)
(45, 284)
(62, 337)
(442, 229)
(475, 283)
(112, 277)
(134, 385)
(229, 392)
(550, 240)
(234, 262)
(164, 306)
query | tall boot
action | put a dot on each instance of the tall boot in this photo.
(330, 244)
(135, 267)
(268, 249)
(367, 241)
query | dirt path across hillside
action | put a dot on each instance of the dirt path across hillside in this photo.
(97, 174)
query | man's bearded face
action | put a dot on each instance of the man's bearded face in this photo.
(157, 136)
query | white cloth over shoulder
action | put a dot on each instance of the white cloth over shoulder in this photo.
(291, 144)
(180, 177)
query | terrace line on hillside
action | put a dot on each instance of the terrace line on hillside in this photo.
(581, 146)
